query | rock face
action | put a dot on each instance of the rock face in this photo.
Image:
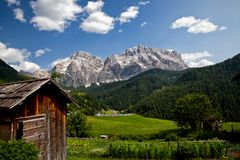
(82, 69)
(25, 73)
(41, 73)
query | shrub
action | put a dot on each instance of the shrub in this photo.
(18, 150)
(236, 148)
(182, 153)
(172, 137)
(206, 135)
(167, 150)
(77, 125)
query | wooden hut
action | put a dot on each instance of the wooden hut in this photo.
(35, 110)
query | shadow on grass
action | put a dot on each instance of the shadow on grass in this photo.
(158, 136)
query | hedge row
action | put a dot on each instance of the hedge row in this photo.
(165, 150)
(18, 150)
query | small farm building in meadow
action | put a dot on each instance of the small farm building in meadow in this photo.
(35, 110)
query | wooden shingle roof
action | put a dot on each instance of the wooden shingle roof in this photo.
(12, 94)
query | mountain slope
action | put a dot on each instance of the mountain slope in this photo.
(154, 92)
(137, 60)
(82, 69)
(215, 81)
(88, 104)
(8, 74)
(79, 70)
(120, 95)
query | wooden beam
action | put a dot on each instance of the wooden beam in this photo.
(37, 106)
(12, 131)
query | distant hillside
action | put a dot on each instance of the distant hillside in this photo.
(120, 95)
(88, 104)
(215, 81)
(237, 77)
(153, 93)
(8, 74)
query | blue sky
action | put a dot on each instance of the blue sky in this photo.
(35, 33)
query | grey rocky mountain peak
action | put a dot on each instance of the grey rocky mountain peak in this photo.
(83, 69)
(41, 73)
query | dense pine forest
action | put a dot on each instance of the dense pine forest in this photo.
(88, 104)
(154, 93)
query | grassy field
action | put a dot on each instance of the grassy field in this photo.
(228, 126)
(98, 149)
(86, 149)
(133, 124)
(94, 149)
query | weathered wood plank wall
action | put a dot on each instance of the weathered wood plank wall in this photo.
(49, 133)
(32, 129)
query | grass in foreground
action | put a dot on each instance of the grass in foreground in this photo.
(86, 149)
(129, 125)
(97, 149)
(94, 149)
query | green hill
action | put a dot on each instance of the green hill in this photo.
(8, 74)
(153, 93)
(120, 95)
(215, 81)
(88, 104)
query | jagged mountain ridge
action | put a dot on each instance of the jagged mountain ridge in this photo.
(83, 69)
(41, 73)
(79, 70)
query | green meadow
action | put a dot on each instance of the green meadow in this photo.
(128, 125)
(229, 125)
(78, 149)
(96, 148)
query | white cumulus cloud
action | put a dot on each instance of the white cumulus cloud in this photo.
(203, 26)
(17, 58)
(54, 15)
(187, 57)
(184, 22)
(129, 14)
(11, 55)
(201, 63)
(97, 20)
(194, 25)
(41, 52)
(29, 66)
(197, 59)
(94, 6)
(19, 14)
(13, 2)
